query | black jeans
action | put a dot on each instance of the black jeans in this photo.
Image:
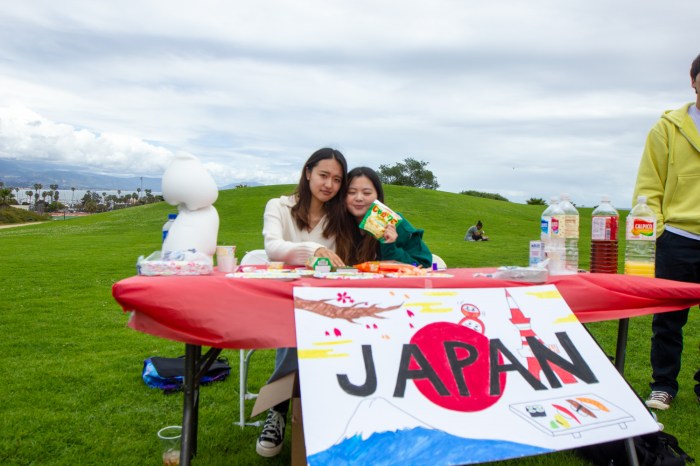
(677, 258)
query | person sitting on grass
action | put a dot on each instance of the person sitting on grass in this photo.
(476, 233)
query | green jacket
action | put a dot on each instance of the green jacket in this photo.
(408, 248)
(669, 172)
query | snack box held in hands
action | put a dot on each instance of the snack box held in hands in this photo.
(319, 264)
(377, 218)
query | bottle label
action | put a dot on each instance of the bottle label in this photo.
(544, 225)
(641, 229)
(555, 228)
(570, 229)
(604, 228)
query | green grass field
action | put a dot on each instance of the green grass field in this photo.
(71, 369)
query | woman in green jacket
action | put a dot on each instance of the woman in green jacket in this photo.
(402, 243)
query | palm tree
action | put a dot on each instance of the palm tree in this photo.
(29, 195)
(54, 191)
(37, 187)
(72, 196)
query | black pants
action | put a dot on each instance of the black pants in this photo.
(677, 258)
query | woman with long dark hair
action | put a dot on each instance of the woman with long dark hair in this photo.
(311, 222)
(402, 243)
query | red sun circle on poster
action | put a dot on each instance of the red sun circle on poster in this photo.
(430, 340)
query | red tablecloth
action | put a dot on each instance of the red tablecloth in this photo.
(212, 310)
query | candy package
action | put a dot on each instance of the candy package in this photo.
(187, 262)
(377, 218)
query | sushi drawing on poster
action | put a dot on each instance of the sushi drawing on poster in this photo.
(453, 376)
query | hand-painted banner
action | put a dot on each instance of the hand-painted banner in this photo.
(453, 376)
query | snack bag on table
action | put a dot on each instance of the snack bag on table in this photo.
(389, 267)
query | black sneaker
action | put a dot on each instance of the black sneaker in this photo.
(272, 437)
(659, 400)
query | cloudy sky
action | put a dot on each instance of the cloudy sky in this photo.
(521, 98)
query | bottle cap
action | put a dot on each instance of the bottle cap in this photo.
(604, 198)
(172, 216)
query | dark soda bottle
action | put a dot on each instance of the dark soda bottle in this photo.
(604, 237)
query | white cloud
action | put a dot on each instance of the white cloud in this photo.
(524, 99)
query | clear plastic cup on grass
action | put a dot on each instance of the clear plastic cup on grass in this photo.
(170, 438)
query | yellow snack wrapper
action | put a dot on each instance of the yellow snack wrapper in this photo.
(377, 218)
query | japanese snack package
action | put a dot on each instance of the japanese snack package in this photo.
(377, 218)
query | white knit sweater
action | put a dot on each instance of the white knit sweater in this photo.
(284, 241)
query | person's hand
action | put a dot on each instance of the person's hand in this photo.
(336, 261)
(390, 234)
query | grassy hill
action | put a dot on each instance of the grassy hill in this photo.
(72, 392)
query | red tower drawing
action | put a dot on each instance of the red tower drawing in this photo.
(522, 323)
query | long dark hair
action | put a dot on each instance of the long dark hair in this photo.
(363, 247)
(334, 208)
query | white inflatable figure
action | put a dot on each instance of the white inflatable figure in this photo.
(189, 186)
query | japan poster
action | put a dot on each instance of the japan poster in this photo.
(453, 376)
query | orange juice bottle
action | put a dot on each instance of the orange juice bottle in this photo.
(640, 236)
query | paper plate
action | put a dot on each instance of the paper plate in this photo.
(266, 275)
(348, 276)
(427, 275)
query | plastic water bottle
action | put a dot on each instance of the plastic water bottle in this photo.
(552, 235)
(168, 224)
(604, 236)
(570, 234)
(640, 236)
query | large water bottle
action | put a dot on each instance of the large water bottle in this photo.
(570, 234)
(640, 236)
(168, 224)
(604, 237)
(552, 236)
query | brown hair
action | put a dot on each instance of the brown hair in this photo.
(362, 247)
(695, 68)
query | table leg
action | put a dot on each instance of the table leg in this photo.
(620, 355)
(190, 405)
(196, 366)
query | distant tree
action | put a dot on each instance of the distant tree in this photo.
(535, 201)
(6, 196)
(90, 202)
(496, 197)
(37, 187)
(242, 185)
(411, 172)
(54, 191)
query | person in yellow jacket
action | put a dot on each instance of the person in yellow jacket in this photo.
(669, 175)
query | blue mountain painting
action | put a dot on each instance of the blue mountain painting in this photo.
(419, 446)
